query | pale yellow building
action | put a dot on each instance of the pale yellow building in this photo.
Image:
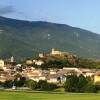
(55, 52)
(97, 78)
(29, 62)
(1, 63)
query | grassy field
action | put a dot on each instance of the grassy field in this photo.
(46, 96)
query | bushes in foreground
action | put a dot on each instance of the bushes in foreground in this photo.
(80, 83)
(42, 85)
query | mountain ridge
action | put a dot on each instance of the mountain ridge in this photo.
(27, 38)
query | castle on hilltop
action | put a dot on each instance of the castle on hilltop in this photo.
(55, 52)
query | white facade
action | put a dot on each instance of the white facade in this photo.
(52, 80)
(53, 72)
(12, 59)
(42, 78)
(29, 62)
(56, 52)
(41, 55)
(39, 62)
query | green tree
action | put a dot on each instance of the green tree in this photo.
(8, 84)
(31, 84)
(71, 83)
(45, 86)
(79, 84)
(91, 88)
(42, 85)
(20, 83)
(82, 82)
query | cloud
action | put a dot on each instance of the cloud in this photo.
(6, 10)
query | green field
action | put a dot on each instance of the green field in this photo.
(46, 96)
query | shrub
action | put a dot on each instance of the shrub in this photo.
(31, 84)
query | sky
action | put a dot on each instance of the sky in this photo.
(77, 13)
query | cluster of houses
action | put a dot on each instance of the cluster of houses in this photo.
(9, 68)
(59, 75)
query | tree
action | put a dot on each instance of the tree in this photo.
(42, 85)
(91, 88)
(31, 84)
(82, 82)
(45, 86)
(79, 84)
(71, 83)
(20, 83)
(8, 84)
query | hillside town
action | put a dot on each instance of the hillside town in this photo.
(9, 69)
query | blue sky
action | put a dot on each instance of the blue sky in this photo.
(78, 13)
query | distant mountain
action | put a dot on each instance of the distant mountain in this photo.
(26, 39)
